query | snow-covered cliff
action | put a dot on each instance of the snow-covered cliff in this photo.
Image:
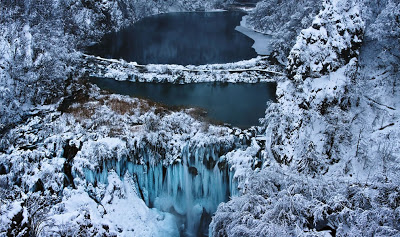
(332, 152)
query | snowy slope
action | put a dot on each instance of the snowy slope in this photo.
(332, 148)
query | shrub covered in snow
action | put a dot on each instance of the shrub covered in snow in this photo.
(284, 204)
(387, 23)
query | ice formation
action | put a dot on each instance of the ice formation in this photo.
(191, 188)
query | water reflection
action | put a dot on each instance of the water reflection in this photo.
(239, 104)
(180, 38)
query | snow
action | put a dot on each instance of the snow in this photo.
(248, 71)
(10, 211)
(242, 160)
(331, 41)
(124, 213)
(261, 41)
(111, 142)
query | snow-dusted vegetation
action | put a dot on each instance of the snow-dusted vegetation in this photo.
(325, 160)
(79, 147)
(249, 71)
(332, 152)
(283, 20)
(40, 43)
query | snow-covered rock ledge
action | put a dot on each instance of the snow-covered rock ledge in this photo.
(248, 71)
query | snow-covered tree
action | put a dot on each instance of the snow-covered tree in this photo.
(332, 41)
(387, 23)
(283, 19)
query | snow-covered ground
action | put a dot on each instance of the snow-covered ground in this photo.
(121, 212)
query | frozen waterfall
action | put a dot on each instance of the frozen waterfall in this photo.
(191, 188)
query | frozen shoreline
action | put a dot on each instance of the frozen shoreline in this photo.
(261, 41)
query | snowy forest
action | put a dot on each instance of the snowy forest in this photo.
(76, 160)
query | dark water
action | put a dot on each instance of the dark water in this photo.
(240, 104)
(179, 38)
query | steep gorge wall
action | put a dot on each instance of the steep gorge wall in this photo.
(332, 147)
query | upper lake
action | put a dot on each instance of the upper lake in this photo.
(189, 38)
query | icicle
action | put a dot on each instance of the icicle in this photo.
(196, 183)
(89, 175)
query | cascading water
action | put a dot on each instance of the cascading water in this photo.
(191, 188)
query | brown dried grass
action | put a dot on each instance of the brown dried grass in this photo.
(121, 106)
(82, 111)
